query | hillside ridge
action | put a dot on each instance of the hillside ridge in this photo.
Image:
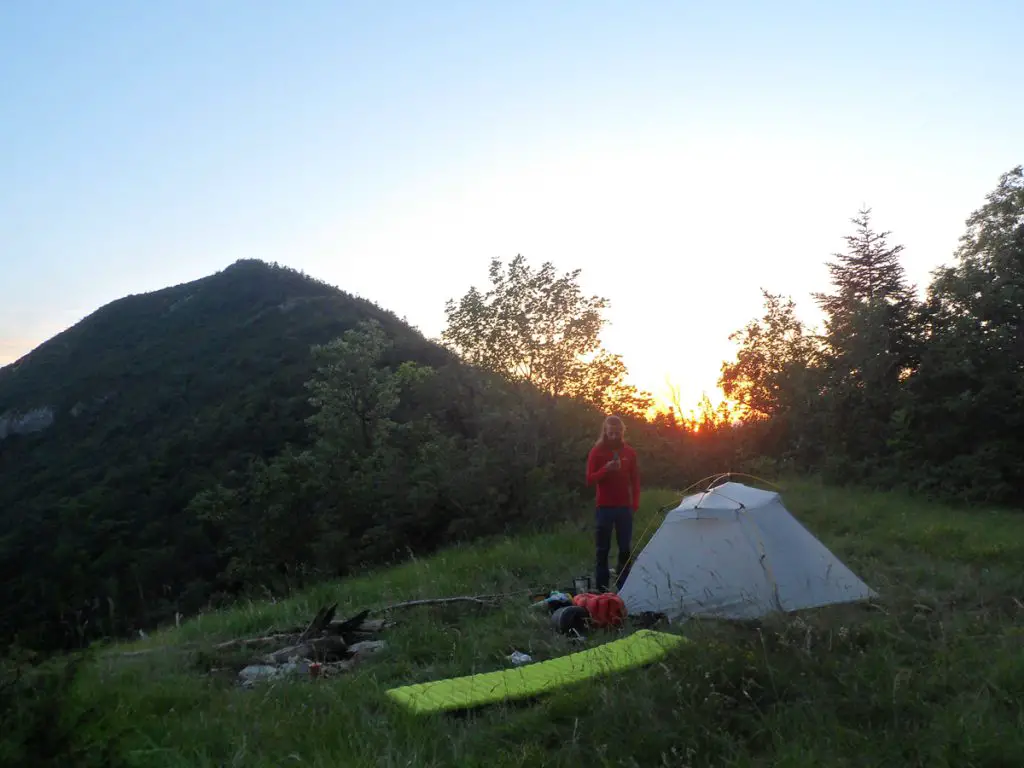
(269, 285)
(111, 427)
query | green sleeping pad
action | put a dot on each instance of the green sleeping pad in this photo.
(642, 647)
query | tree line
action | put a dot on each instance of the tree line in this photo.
(925, 394)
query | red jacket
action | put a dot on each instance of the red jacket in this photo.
(615, 487)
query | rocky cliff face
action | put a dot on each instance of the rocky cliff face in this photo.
(14, 423)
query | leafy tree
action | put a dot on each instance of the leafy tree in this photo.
(776, 381)
(773, 353)
(372, 464)
(385, 474)
(963, 421)
(538, 327)
(987, 282)
(355, 396)
(325, 508)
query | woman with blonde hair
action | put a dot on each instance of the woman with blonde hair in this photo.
(612, 467)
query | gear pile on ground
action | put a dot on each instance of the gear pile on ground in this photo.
(574, 615)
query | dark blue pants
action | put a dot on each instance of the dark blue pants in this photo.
(621, 520)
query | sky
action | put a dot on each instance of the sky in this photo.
(682, 155)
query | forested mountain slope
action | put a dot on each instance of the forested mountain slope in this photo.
(258, 430)
(111, 427)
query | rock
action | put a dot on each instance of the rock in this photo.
(255, 672)
(365, 648)
(15, 423)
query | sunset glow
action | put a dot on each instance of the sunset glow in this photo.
(680, 175)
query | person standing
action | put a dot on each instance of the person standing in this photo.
(612, 467)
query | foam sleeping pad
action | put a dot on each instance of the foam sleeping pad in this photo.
(642, 647)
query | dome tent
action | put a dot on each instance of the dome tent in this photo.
(735, 552)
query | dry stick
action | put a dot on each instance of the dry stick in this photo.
(481, 600)
(349, 624)
(366, 626)
(320, 621)
(254, 640)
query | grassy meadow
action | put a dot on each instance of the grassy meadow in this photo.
(931, 674)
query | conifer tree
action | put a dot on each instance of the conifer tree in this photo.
(870, 340)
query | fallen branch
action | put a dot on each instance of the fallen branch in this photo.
(320, 622)
(365, 626)
(244, 641)
(356, 623)
(481, 600)
(322, 648)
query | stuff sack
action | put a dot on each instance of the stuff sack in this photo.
(605, 609)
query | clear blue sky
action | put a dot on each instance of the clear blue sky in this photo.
(682, 154)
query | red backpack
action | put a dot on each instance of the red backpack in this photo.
(605, 609)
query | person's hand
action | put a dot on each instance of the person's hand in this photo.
(615, 463)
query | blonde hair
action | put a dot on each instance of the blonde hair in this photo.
(612, 419)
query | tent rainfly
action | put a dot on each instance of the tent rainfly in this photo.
(735, 552)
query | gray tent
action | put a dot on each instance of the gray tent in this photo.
(735, 552)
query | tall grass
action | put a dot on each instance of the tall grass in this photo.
(930, 674)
